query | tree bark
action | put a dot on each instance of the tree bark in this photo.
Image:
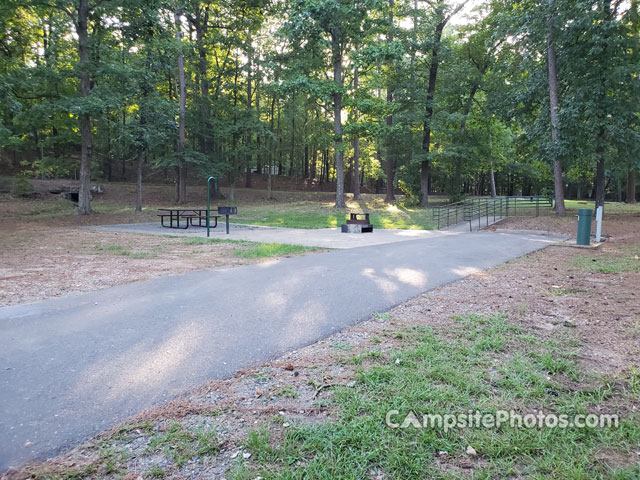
(390, 163)
(182, 181)
(139, 181)
(425, 167)
(336, 51)
(248, 137)
(492, 182)
(314, 160)
(82, 29)
(258, 136)
(201, 25)
(292, 149)
(356, 141)
(558, 183)
(306, 162)
(631, 186)
(600, 180)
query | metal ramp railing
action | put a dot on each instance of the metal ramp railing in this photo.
(497, 207)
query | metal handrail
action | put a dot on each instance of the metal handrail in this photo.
(477, 208)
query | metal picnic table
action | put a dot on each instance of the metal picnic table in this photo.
(194, 217)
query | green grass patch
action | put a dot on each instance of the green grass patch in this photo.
(121, 250)
(627, 260)
(288, 391)
(266, 250)
(456, 373)
(180, 445)
(609, 207)
(322, 215)
(253, 249)
(208, 241)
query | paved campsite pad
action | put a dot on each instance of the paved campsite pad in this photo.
(320, 237)
(75, 366)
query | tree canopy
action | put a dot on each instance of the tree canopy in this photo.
(436, 96)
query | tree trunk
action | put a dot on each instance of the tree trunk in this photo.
(201, 26)
(82, 29)
(139, 181)
(292, 151)
(314, 160)
(492, 182)
(182, 170)
(258, 136)
(336, 50)
(600, 180)
(558, 186)
(248, 137)
(631, 186)
(306, 161)
(579, 190)
(391, 159)
(425, 167)
(272, 143)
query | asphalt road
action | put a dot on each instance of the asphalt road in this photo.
(71, 367)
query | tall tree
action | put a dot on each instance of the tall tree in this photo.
(442, 17)
(82, 29)
(181, 183)
(558, 182)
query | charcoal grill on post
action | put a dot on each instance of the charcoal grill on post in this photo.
(358, 223)
(226, 211)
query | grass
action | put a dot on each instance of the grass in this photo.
(453, 373)
(181, 445)
(254, 249)
(267, 250)
(121, 250)
(323, 215)
(625, 260)
(244, 248)
(288, 391)
(208, 241)
(609, 207)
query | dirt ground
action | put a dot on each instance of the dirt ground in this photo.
(617, 227)
(44, 262)
(546, 293)
(43, 254)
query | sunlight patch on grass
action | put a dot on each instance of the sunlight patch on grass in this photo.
(312, 215)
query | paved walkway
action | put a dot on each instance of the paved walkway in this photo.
(71, 367)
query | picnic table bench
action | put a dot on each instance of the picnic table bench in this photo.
(191, 215)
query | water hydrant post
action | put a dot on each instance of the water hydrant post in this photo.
(584, 226)
(599, 223)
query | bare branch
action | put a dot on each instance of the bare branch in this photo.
(459, 7)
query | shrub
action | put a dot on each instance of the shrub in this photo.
(22, 188)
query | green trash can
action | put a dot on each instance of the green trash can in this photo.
(584, 226)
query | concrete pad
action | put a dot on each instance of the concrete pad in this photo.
(317, 237)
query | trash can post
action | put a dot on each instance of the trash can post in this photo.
(584, 226)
